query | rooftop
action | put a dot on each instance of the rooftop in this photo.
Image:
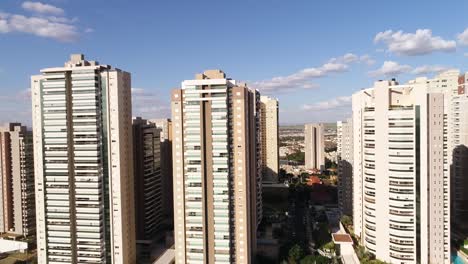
(342, 238)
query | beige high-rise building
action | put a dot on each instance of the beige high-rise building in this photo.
(217, 173)
(401, 190)
(165, 126)
(314, 135)
(345, 166)
(17, 213)
(453, 85)
(269, 136)
(459, 150)
(82, 120)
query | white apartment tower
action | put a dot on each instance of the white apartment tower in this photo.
(217, 173)
(82, 128)
(345, 165)
(314, 135)
(269, 137)
(401, 204)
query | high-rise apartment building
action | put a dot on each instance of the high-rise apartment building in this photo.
(217, 172)
(314, 135)
(165, 126)
(83, 164)
(401, 184)
(17, 212)
(458, 143)
(149, 207)
(453, 85)
(345, 166)
(269, 137)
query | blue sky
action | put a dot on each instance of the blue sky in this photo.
(312, 55)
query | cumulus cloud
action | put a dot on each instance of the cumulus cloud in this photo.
(39, 26)
(48, 22)
(413, 44)
(463, 37)
(149, 104)
(338, 102)
(390, 68)
(303, 78)
(426, 69)
(38, 7)
(367, 59)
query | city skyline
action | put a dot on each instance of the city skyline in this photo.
(314, 80)
(233, 132)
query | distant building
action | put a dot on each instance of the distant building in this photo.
(165, 126)
(17, 213)
(269, 136)
(314, 135)
(313, 180)
(401, 172)
(345, 166)
(217, 173)
(83, 153)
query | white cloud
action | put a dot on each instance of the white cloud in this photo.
(412, 44)
(338, 102)
(149, 105)
(465, 54)
(39, 26)
(48, 21)
(303, 78)
(62, 19)
(390, 68)
(38, 7)
(367, 59)
(426, 69)
(463, 37)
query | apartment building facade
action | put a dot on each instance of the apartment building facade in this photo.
(345, 166)
(401, 203)
(314, 135)
(17, 213)
(165, 126)
(269, 136)
(82, 128)
(217, 172)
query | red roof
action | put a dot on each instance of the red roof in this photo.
(314, 180)
(342, 238)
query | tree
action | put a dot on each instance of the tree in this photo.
(297, 156)
(346, 220)
(330, 246)
(310, 259)
(295, 254)
(282, 175)
(322, 260)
